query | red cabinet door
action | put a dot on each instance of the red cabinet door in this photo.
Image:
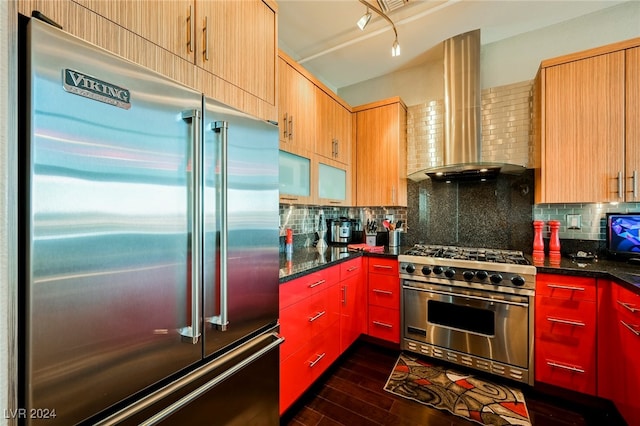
(353, 310)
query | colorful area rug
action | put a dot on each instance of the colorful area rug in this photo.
(461, 394)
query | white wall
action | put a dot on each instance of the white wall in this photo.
(507, 61)
(8, 281)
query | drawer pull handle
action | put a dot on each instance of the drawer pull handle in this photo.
(317, 283)
(568, 322)
(353, 268)
(565, 367)
(383, 266)
(565, 287)
(628, 306)
(631, 328)
(317, 360)
(382, 324)
(316, 316)
(375, 290)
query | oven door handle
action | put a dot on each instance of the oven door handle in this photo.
(469, 296)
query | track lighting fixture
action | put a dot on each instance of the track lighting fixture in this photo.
(364, 20)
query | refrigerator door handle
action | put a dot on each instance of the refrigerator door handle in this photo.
(221, 321)
(191, 334)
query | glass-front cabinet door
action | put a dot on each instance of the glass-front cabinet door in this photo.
(295, 179)
(334, 186)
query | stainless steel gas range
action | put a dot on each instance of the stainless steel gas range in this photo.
(470, 306)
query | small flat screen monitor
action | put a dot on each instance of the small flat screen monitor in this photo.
(623, 235)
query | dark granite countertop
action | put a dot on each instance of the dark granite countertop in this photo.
(627, 274)
(309, 259)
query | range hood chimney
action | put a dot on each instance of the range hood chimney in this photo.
(461, 148)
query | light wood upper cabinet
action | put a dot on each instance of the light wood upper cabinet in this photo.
(585, 126)
(381, 153)
(296, 110)
(236, 41)
(167, 23)
(333, 127)
(632, 124)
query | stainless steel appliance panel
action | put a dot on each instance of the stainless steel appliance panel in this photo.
(241, 225)
(492, 326)
(110, 216)
(238, 388)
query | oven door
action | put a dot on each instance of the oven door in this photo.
(490, 325)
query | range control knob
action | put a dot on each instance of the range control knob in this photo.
(426, 270)
(517, 280)
(482, 275)
(496, 278)
(410, 268)
(468, 275)
(438, 270)
(450, 273)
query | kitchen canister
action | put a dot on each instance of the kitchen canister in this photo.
(394, 238)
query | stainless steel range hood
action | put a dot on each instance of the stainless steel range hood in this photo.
(461, 147)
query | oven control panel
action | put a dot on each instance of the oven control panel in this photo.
(469, 273)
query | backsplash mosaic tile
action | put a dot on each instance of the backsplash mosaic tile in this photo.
(493, 214)
(304, 220)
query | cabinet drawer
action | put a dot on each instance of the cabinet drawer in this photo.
(306, 319)
(576, 376)
(384, 323)
(566, 287)
(384, 291)
(378, 265)
(350, 268)
(307, 285)
(626, 303)
(302, 368)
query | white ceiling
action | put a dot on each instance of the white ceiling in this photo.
(322, 34)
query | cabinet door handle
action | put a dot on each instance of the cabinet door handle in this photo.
(285, 126)
(316, 316)
(291, 127)
(317, 283)
(317, 360)
(568, 322)
(631, 328)
(289, 198)
(635, 184)
(630, 307)
(205, 30)
(565, 367)
(383, 267)
(344, 295)
(382, 324)
(375, 290)
(565, 287)
(620, 185)
(191, 29)
(337, 148)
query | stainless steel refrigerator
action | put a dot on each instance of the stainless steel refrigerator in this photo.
(150, 247)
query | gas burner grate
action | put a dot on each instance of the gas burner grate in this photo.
(469, 253)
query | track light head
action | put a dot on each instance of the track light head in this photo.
(395, 49)
(362, 22)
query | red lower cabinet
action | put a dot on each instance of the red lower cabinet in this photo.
(619, 349)
(565, 332)
(383, 290)
(309, 323)
(302, 368)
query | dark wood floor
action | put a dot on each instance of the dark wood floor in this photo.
(351, 393)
